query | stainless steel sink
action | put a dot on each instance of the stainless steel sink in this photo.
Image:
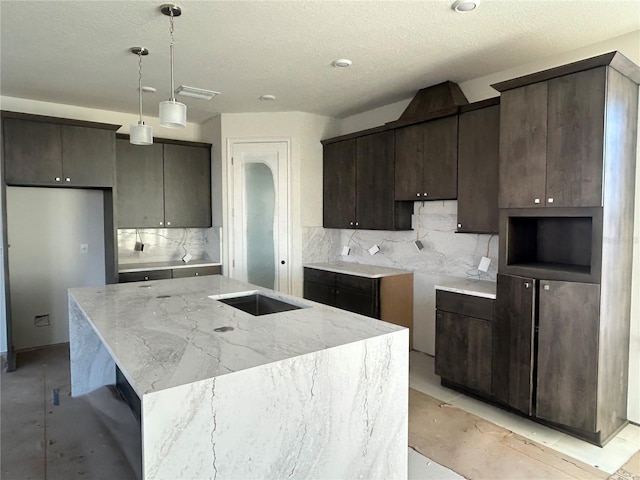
(257, 303)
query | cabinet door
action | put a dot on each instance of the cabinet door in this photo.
(32, 152)
(339, 185)
(375, 204)
(88, 156)
(568, 353)
(514, 342)
(409, 162)
(523, 146)
(478, 144)
(463, 350)
(187, 186)
(139, 181)
(319, 292)
(575, 139)
(357, 302)
(440, 175)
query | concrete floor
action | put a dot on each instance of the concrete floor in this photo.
(92, 437)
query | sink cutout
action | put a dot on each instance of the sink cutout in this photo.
(257, 303)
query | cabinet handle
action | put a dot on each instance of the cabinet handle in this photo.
(161, 223)
(57, 179)
(357, 224)
(424, 194)
(197, 273)
(417, 194)
(536, 200)
(527, 284)
(351, 223)
(146, 278)
(550, 200)
(67, 179)
(459, 225)
(547, 287)
(168, 223)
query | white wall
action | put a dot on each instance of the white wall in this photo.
(480, 89)
(303, 131)
(46, 228)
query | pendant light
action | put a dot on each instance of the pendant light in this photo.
(173, 114)
(140, 134)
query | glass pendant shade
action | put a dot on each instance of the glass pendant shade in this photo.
(173, 114)
(141, 134)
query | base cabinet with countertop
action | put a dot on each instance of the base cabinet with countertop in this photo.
(378, 292)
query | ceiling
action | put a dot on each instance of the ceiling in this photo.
(77, 52)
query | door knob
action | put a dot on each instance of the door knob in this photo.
(282, 262)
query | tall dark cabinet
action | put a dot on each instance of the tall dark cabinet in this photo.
(567, 168)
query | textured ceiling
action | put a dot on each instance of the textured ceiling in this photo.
(78, 52)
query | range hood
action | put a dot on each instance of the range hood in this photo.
(439, 100)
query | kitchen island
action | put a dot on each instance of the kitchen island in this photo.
(313, 392)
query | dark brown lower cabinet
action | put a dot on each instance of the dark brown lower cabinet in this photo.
(167, 273)
(387, 298)
(568, 354)
(464, 340)
(464, 350)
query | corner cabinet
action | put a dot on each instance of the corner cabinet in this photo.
(358, 188)
(164, 185)
(48, 153)
(388, 298)
(426, 160)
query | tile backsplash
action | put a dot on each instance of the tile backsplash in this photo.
(434, 224)
(168, 244)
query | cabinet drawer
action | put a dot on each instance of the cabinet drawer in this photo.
(319, 276)
(144, 275)
(359, 284)
(469, 305)
(196, 271)
(319, 292)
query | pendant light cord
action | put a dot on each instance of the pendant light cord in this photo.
(140, 85)
(173, 98)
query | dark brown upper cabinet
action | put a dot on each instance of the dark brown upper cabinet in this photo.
(164, 185)
(50, 153)
(426, 160)
(478, 145)
(562, 137)
(358, 186)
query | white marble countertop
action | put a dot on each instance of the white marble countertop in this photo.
(163, 333)
(469, 286)
(358, 269)
(140, 267)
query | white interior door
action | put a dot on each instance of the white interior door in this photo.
(259, 250)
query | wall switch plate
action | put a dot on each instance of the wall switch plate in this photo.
(418, 245)
(373, 250)
(138, 247)
(483, 266)
(345, 251)
(186, 258)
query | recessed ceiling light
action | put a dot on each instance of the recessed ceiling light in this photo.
(194, 92)
(464, 6)
(342, 63)
(267, 98)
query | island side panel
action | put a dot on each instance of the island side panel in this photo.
(338, 413)
(91, 365)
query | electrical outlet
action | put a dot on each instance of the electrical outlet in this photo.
(483, 266)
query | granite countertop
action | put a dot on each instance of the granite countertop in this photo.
(167, 333)
(468, 286)
(139, 267)
(358, 269)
